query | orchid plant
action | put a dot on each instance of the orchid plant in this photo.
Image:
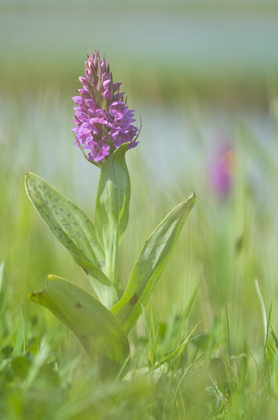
(104, 133)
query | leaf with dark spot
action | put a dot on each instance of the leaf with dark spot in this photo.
(133, 300)
(76, 233)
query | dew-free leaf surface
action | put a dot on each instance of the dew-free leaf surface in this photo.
(112, 209)
(74, 230)
(150, 264)
(96, 328)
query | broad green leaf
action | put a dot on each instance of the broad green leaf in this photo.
(112, 209)
(74, 230)
(150, 264)
(99, 332)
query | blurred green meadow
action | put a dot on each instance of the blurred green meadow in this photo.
(203, 77)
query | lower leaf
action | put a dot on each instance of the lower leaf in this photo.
(99, 332)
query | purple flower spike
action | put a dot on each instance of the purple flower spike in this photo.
(103, 120)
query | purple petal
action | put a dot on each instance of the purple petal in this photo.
(105, 84)
(116, 86)
(78, 100)
(99, 121)
(107, 94)
(98, 150)
(90, 103)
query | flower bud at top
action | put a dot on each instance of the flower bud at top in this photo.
(103, 120)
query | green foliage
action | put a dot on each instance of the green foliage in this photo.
(229, 367)
(150, 264)
(74, 230)
(112, 210)
(96, 328)
(20, 337)
(102, 333)
(3, 286)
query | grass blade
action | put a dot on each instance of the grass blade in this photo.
(3, 286)
(20, 337)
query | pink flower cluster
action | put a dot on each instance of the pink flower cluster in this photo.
(103, 120)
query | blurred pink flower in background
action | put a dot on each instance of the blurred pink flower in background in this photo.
(222, 169)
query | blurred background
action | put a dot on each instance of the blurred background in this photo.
(203, 76)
